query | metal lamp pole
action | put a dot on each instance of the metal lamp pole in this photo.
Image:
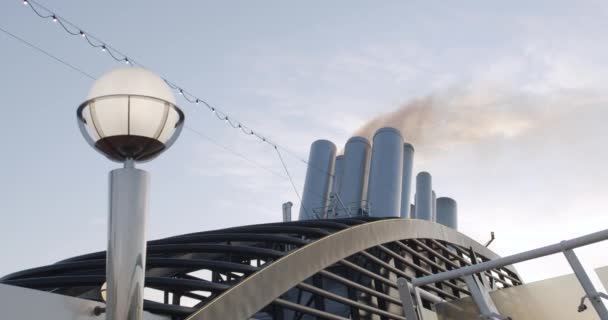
(126, 255)
(129, 116)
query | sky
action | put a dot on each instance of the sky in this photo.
(516, 91)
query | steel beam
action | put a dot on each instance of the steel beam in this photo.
(351, 284)
(482, 299)
(308, 310)
(407, 303)
(346, 301)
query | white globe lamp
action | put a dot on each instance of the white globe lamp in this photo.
(130, 114)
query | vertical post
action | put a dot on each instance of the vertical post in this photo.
(126, 256)
(586, 283)
(481, 297)
(407, 303)
(287, 211)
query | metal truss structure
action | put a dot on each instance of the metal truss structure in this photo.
(317, 269)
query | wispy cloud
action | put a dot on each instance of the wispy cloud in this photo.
(513, 130)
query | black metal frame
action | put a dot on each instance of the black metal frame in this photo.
(230, 255)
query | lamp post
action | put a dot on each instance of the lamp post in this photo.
(129, 116)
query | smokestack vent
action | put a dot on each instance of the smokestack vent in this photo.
(318, 181)
(406, 185)
(356, 168)
(447, 212)
(338, 174)
(424, 196)
(386, 174)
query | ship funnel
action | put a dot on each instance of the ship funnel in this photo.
(318, 180)
(338, 174)
(354, 181)
(406, 184)
(447, 212)
(424, 196)
(386, 174)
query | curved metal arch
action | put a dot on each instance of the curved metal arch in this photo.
(152, 262)
(98, 280)
(230, 256)
(245, 237)
(244, 299)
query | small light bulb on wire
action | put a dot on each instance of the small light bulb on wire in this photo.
(188, 96)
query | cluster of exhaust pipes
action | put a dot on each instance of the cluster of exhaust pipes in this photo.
(370, 179)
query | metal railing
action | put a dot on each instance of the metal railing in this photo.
(336, 208)
(479, 293)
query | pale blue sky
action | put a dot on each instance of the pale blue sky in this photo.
(303, 71)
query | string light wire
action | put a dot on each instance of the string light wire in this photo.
(75, 30)
(290, 179)
(238, 154)
(40, 50)
(194, 131)
(118, 56)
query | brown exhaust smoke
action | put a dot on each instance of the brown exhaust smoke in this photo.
(442, 121)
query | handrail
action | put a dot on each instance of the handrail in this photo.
(340, 208)
(479, 293)
(509, 260)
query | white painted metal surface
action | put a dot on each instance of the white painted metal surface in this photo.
(356, 168)
(406, 184)
(18, 303)
(126, 257)
(555, 299)
(602, 274)
(424, 196)
(318, 181)
(447, 212)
